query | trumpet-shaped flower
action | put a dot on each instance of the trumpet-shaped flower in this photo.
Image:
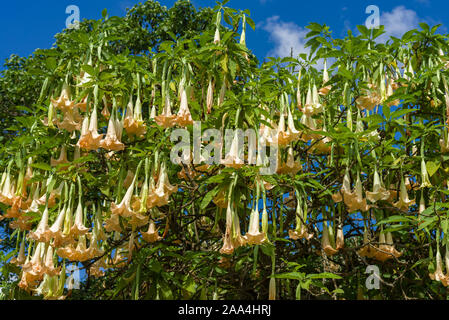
(90, 139)
(424, 175)
(233, 159)
(184, 117)
(62, 158)
(404, 202)
(111, 142)
(379, 191)
(254, 236)
(152, 234)
(63, 102)
(326, 243)
(133, 123)
(166, 119)
(41, 232)
(325, 90)
(301, 230)
(291, 166)
(78, 228)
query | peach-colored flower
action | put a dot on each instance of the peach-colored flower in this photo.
(22, 223)
(311, 125)
(325, 90)
(78, 228)
(49, 265)
(163, 190)
(71, 121)
(291, 166)
(111, 141)
(82, 105)
(63, 102)
(438, 275)
(228, 243)
(20, 259)
(105, 112)
(62, 158)
(233, 159)
(370, 98)
(113, 224)
(41, 232)
(90, 139)
(254, 236)
(327, 246)
(7, 193)
(133, 123)
(386, 249)
(56, 233)
(379, 191)
(124, 208)
(404, 202)
(285, 137)
(166, 119)
(152, 235)
(353, 200)
(33, 270)
(94, 251)
(184, 117)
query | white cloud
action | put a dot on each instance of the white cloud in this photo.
(398, 21)
(285, 36)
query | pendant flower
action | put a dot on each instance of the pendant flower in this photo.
(166, 119)
(233, 159)
(63, 102)
(184, 117)
(291, 167)
(379, 191)
(152, 235)
(301, 230)
(111, 142)
(90, 139)
(254, 236)
(41, 232)
(404, 202)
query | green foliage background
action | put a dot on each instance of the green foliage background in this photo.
(187, 263)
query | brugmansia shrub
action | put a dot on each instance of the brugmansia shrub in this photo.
(360, 178)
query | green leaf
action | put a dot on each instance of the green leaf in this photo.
(42, 166)
(324, 275)
(208, 198)
(432, 167)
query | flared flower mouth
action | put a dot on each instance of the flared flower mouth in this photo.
(379, 192)
(254, 236)
(166, 119)
(133, 122)
(291, 166)
(111, 142)
(64, 102)
(90, 138)
(184, 117)
(233, 159)
(152, 234)
(301, 231)
(404, 202)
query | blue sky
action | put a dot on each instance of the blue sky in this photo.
(26, 25)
